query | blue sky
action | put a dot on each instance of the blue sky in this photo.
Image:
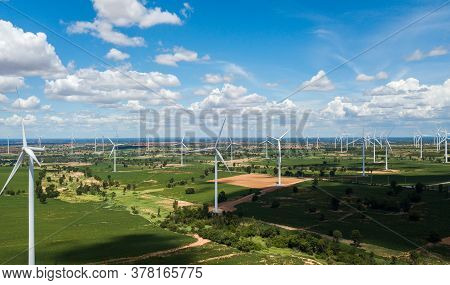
(227, 55)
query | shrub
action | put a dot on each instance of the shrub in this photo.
(337, 235)
(433, 237)
(134, 210)
(254, 198)
(356, 237)
(295, 189)
(349, 191)
(334, 204)
(222, 197)
(413, 215)
(275, 204)
(190, 191)
(247, 245)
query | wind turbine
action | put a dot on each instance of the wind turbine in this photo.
(113, 151)
(27, 150)
(72, 141)
(387, 147)
(8, 145)
(217, 155)
(230, 146)
(279, 155)
(266, 142)
(182, 148)
(363, 148)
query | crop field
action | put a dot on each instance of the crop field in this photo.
(310, 209)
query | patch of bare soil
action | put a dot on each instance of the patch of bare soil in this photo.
(259, 181)
(218, 257)
(446, 241)
(385, 172)
(127, 260)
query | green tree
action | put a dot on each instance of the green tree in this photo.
(337, 235)
(356, 237)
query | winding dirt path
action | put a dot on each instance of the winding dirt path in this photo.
(127, 260)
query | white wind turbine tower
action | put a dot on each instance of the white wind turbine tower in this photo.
(307, 143)
(72, 142)
(217, 155)
(8, 145)
(103, 144)
(387, 147)
(230, 146)
(317, 142)
(279, 155)
(363, 148)
(27, 150)
(443, 138)
(183, 147)
(374, 143)
(266, 142)
(114, 151)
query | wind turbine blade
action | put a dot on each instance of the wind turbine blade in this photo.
(111, 141)
(220, 133)
(112, 150)
(16, 166)
(33, 148)
(31, 154)
(389, 145)
(184, 145)
(228, 146)
(284, 134)
(24, 139)
(221, 158)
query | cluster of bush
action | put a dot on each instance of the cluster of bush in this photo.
(247, 234)
(172, 183)
(93, 189)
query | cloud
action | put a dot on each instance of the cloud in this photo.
(405, 98)
(365, 77)
(133, 105)
(27, 54)
(234, 69)
(419, 55)
(113, 86)
(178, 54)
(106, 32)
(187, 10)
(116, 55)
(271, 84)
(216, 78)
(29, 103)
(15, 120)
(122, 13)
(3, 98)
(318, 82)
(10, 83)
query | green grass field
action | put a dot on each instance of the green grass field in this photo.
(78, 233)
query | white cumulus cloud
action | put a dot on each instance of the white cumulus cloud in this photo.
(27, 54)
(117, 55)
(319, 82)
